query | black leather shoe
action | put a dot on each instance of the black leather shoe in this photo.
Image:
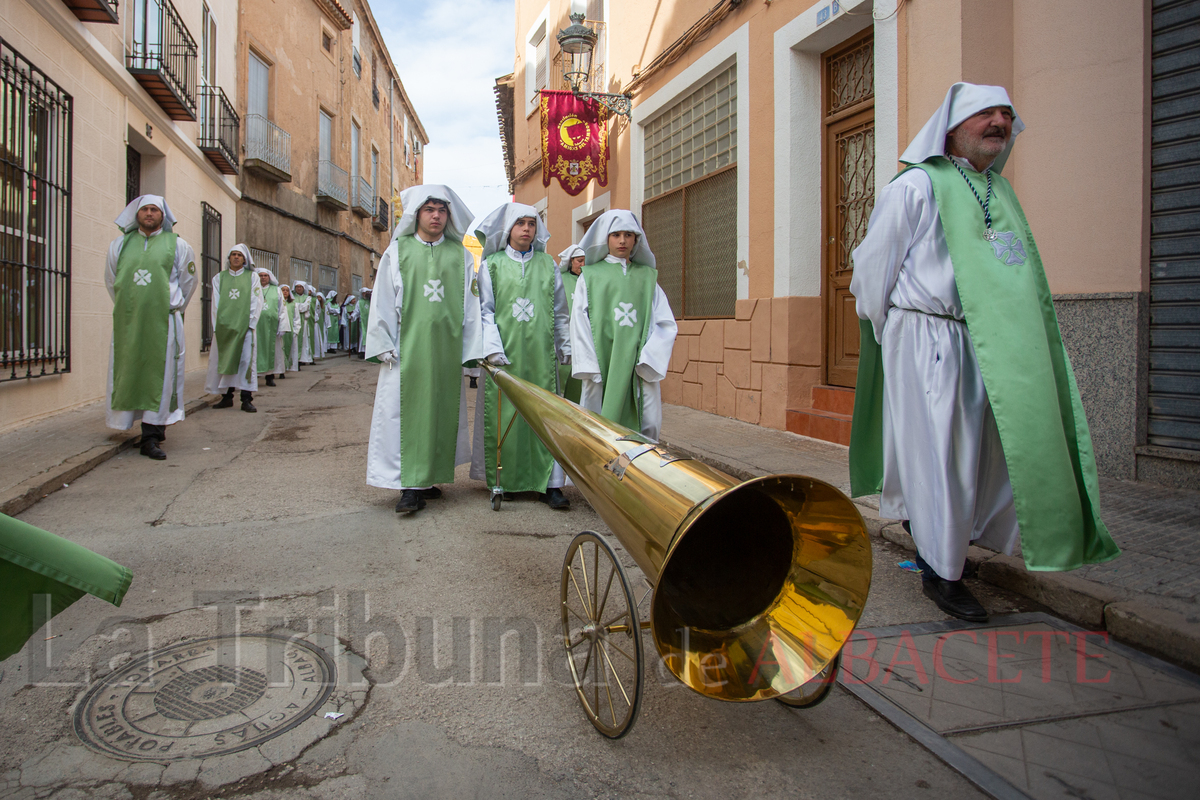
(151, 449)
(954, 598)
(270, 380)
(282, 376)
(556, 499)
(410, 501)
(432, 493)
(225, 402)
(248, 407)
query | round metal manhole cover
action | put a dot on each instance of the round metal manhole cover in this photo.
(205, 698)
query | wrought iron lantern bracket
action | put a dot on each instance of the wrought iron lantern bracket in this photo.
(578, 41)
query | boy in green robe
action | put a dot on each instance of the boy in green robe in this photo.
(570, 265)
(237, 304)
(151, 275)
(523, 308)
(270, 351)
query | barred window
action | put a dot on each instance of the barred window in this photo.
(690, 212)
(356, 283)
(266, 260)
(301, 270)
(210, 261)
(35, 221)
(329, 280)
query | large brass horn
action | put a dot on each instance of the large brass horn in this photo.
(757, 584)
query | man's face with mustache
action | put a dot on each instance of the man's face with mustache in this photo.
(982, 136)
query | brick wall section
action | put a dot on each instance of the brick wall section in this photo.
(753, 367)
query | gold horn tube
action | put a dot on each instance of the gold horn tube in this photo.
(757, 585)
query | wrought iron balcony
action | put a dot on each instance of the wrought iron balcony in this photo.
(268, 149)
(333, 185)
(162, 57)
(381, 215)
(362, 200)
(219, 129)
(94, 10)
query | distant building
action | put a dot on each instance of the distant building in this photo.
(761, 132)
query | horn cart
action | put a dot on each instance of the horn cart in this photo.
(755, 586)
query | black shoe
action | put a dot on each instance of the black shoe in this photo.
(225, 402)
(432, 493)
(954, 598)
(282, 376)
(248, 407)
(410, 501)
(555, 498)
(270, 380)
(151, 449)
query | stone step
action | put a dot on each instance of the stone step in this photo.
(828, 426)
(837, 399)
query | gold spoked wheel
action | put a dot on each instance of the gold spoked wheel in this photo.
(602, 635)
(816, 689)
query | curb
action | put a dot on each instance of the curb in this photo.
(26, 494)
(1125, 615)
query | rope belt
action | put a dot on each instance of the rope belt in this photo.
(930, 314)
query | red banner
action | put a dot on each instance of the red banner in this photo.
(574, 142)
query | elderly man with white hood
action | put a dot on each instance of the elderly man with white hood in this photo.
(622, 328)
(150, 274)
(424, 328)
(237, 303)
(966, 415)
(523, 307)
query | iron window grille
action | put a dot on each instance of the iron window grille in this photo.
(36, 121)
(210, 258)
(357, 63)
(264, 259)
(381, 214)
(162, 57)
(301, 270)
(133, 174)
(375, 94)
(328, 281)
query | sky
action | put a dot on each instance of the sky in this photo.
(449, 55)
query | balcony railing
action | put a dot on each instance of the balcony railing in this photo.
(162, 57)
(268, 148)
(362, 200)
(219, 129)
(333, 185)
(94, 10)
(381, 215)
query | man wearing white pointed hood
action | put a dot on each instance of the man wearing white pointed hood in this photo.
(150, 274)
(523, 307)
(423, 328)
(966, 415)
(622, 328)
(237, 303)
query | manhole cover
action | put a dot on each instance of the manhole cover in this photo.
(205, 698)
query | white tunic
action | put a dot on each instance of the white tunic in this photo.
(282, 360)
(652, 362)
(304, 312)
(215, 382)
(492, 344)
(943, 465)
(183, 284)
(383, 336)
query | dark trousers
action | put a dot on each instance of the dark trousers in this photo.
(242, 393)
(156, 432)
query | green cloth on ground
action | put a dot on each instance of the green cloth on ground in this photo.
(268, 329)
(35, 562)
(141, 320)
(1010, 315)
(431, 343)
(525, 317)
(233, 318)
(568, 387)
(619, 306)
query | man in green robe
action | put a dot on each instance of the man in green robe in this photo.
(151, 275)
(289, 323)
(269, 330)
(570, 265)
(303, 308)
(523, 308)
(966, 416)
(237, 305)
(364, 318)
(424, 328)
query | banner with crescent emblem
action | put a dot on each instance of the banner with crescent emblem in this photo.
(574, 142)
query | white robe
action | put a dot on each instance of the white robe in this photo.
(282, 364)
(304, 310)
(183, 284)
(652, 362)
(492, 344)
(215, 382)
(383, 336)
(943, 464)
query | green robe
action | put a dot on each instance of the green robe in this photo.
(525, 317)
(141, 320)
(233, 318)
(34, 562)
(1030, 385)
(571, 388)
(619, 310)
(268, 329)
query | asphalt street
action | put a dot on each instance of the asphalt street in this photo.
(263, 523)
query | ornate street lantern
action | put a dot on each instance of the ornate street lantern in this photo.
(578, 41)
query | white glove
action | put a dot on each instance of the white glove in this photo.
(564, 358)
(388, 358)
(498, 360)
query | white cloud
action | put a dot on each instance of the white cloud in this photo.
(449, 55)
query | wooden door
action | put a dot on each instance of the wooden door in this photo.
(849, 194)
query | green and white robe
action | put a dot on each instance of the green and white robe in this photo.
(270, 328)
(237, 304)
(423, 311)
(304, 330)
(150, 279)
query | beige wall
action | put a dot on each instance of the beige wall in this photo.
(86, 60)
